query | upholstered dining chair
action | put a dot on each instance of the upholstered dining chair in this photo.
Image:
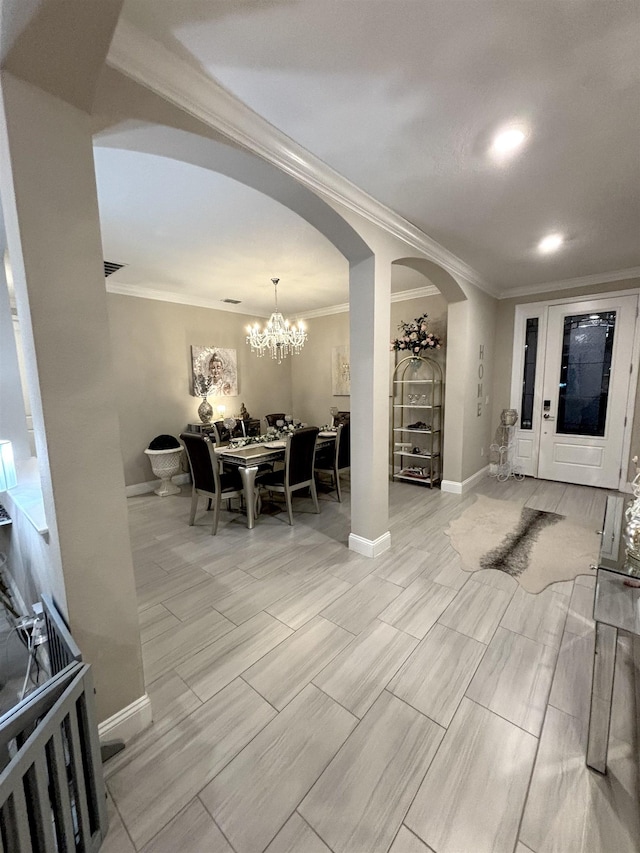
(298, 469)
(223, 434)
(337, 458)
(341, 418)
(273, 418)
(206, 478)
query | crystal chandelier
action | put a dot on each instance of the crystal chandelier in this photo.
(280, 338)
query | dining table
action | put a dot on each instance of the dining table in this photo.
(248, 458)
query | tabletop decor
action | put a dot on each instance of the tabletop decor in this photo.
(280, 431)
(415, 337)
(202, 388)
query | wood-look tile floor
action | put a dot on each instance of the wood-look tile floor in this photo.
(309, 700)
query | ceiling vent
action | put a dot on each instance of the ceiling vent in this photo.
(110, 267)
(232, 301)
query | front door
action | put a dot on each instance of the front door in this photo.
(575, 422)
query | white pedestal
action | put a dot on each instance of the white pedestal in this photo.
(165, 464)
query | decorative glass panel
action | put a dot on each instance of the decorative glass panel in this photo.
(529, 377)
(587, 346)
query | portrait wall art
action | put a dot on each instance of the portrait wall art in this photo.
(340, 372)
(215, 370)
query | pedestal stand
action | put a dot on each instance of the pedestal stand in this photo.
(165, 464)
(501, 460)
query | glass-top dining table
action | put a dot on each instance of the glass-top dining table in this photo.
(247, 460)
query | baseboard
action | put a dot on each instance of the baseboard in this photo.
(456, 488)
(370, 547)
(145, 488)
(128, 722)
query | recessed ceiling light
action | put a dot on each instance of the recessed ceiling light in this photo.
(508, 141)
(550, 243)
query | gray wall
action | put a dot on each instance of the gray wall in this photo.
(152, 351)
(152, 364)
(312, 395)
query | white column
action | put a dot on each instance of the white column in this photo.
(369, 321)
(51, 213)
(456, 395)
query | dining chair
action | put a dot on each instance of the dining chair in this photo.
(251, 427)
(273, 418)
(223, 434)
(334, 459)
(341, 418)
(206, 478)
(298, 469)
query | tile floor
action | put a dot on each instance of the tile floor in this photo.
(309, 700)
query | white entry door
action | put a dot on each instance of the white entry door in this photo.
(573, 429)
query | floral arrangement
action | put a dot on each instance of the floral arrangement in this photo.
(202, 384)
(415, 337)
(281, 430)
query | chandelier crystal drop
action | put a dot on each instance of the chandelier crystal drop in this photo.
(280, 338)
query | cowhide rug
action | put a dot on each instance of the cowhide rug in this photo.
(536, 548)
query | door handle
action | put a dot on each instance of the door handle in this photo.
(548, 417)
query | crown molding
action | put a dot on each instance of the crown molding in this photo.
(180, 298)
(343, 308)
(400, 296)
(570, 283)
(218, 305)
(149, 63)
(416, 293)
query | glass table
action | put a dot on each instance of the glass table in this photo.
(616, 608)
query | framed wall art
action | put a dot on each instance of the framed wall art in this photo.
(340, 372)
(215, 370)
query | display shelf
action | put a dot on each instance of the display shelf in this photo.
(415, 455)
(416, 381)
(413, 478)
(411, 429)
(421, 443)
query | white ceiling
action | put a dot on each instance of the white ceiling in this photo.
(184, 230)
(402, 98)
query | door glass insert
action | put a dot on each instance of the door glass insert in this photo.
(587, 347)
(529, 373)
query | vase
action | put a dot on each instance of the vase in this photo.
(165, 464)
(205, 411)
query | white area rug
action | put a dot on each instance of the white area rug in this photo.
(534, 547)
